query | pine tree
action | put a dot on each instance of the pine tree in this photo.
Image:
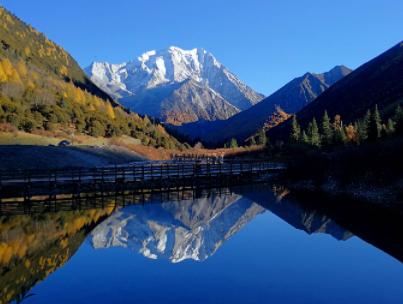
(303, 138)
(315, 137)
(309, 131)
(327, 135)
(391, 127)
(296, 130)
(378, 120)
(234, 143)
(252, 142)
(399, 121)
(63, 103)
(262, 139)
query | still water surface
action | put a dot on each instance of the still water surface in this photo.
(259, 247)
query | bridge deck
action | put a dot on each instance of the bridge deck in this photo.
(135, 172)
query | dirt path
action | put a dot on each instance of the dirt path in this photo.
(48, 157)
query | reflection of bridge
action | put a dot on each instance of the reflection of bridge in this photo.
(140, 176)
(88, 201)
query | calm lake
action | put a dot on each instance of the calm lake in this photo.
(252, 244)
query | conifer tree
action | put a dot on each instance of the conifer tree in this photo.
(309, 131)
(252, 142)
(391, 127)
(63, 103)
(296, 130)
(399, 121)
(327, 135)
(233, 143)
(315, 137)
(303, 138)
(262, 139)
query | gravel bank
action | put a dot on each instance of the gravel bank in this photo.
(49, 157)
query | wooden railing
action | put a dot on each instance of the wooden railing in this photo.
(136, 172)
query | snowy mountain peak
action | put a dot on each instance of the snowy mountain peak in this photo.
(163, 68)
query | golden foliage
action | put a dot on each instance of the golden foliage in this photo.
(109, 111)
(7, 66)
(27, 51)
(63, 70)
(22, 69)
(91, 107)
(3, 76)
(15, 77)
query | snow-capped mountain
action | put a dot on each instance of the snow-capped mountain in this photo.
(151, 85)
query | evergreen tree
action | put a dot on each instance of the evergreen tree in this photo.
(399, 121)
(252, 142)
(262, 139)
(315, 137)
(327, 135)
(296, 130)
(63, 103)
(391, 127)
(303, 138)
(233, 143)
(309, 131)
(373, 132)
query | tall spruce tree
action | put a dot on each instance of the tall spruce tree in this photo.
(315, 137)
(327, 134)
(399, 121)
(262, 139)
(252, 142)
(233, 143)
(303, 138)
(296, 130)
(391, 127)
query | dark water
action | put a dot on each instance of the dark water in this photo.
(263, 246)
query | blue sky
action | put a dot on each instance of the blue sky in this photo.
(265, 43)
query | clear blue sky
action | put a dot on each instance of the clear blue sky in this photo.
(265, 43)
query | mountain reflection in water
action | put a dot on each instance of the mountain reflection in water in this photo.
(196, 229)
(36, 241)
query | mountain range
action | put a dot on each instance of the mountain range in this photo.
(291, 98)
(175, 85)
(377, 82)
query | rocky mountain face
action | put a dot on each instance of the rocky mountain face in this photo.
(291, 98)
(175, 85)
(178, 230)
(377, 82)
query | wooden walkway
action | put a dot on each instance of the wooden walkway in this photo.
(135, 172)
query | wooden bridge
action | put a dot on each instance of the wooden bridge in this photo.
(142, 176)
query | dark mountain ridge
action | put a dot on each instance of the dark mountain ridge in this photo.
(377, 82)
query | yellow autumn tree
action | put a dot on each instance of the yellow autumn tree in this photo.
(30, 84)
(109, 111)
(7, 66)
(3, 76)
(15, 77)
(91, 107)
(22, 69)
(63, 70)
(27, 51)
(97, 103)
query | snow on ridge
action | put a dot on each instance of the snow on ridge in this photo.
(173, 65)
